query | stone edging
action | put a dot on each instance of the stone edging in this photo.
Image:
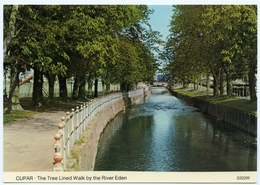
(240, 119)
(83, 153)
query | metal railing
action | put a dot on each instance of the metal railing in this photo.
(138, 92)
(73, 126)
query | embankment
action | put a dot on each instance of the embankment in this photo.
(84, 152)
(238, 118)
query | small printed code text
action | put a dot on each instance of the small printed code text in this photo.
(243, 177)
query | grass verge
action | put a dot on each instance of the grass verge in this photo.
(29, 110)
(240, 104)
(14, 115)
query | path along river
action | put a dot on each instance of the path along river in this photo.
(163, 133)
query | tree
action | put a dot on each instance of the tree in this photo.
(81, 43)
(112, 27)
(228, 27)
(184, 44)
(10, 31)
(214, 37)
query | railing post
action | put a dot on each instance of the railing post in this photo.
(77, 123)
(91, 109)
(85, 116)
(81, 119)
(87, 113)
(57, 145)
(60, 127)
(61, 131)
(72, 127)
(57, 167)
(88, 104)
(68, 132)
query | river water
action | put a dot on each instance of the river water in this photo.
(163, 133)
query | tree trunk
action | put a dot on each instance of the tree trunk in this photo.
(216, 87)
(51, 79)
(229, 86)
(103, 87)
(215, 82)
(221, 83)
(37, 87)
(5, 92)
(199, 83)
(82, 87)
(252, 85)
(185, 85)
(63, 88)
(128, 87)
(226, 68)
(90, 85)
(208, 85)
(14, 103)
(11, 29)
(215, 71)
(123, 87)
(75, 93)
(252, 72)
(108, 87)
(96, 88)
(252, 78)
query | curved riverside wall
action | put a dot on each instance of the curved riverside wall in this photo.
(84, 154)
(135, 96)
(240, 119)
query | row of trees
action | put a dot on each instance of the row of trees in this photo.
(220, 40)
(113, 43)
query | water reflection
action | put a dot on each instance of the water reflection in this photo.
(163, 133)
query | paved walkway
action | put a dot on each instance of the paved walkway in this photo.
(28, 144)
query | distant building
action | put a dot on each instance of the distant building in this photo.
(160, 78)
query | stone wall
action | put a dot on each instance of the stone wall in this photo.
(240, 119)
(84, 152)
(136, 97)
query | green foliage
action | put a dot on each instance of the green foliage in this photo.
(212, 38)
(85, 41)
(75, 167)
(184, 45)
(81, 140)
(75, 154)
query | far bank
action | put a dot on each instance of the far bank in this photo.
(230, 112)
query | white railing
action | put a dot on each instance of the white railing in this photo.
(138, 92)
(74, 124)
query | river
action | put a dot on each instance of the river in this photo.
(162, 133)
